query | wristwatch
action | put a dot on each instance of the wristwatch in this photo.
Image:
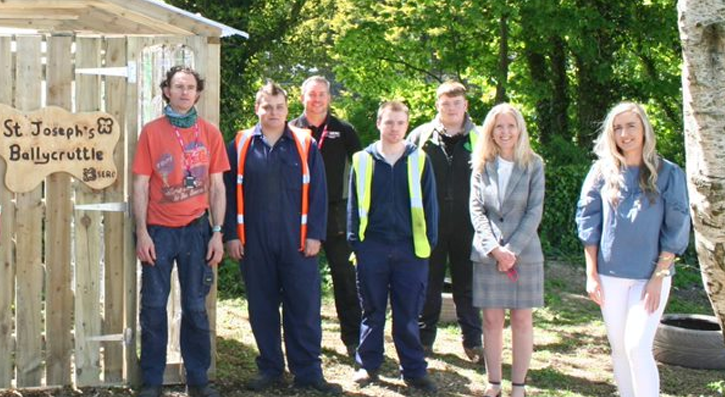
(216, 229)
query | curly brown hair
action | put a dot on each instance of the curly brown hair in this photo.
(166, 83)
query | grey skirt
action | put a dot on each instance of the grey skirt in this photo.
(494, 289)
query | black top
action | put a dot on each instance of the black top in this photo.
(450, 157)
(450, 142)
(337, 147)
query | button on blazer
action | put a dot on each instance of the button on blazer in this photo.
(513, 222)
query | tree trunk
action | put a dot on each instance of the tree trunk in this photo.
(536, 61)
(593, 97)
(560, 100)
(702, 31)
(503, 60)
(550, 87)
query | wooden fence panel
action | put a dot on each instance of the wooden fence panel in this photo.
(59, 298)
(114, 235)
(134, 46)
(175, 363)
(206, 58)
(88, 229)
(89, 294)
(28, 228)
(7, 225)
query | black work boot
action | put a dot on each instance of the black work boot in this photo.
(149, 391)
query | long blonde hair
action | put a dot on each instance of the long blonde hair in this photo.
(611, 163)
(486, 148)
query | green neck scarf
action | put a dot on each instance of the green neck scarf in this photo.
(180, 120)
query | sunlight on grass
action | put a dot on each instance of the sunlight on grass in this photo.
(571, 353)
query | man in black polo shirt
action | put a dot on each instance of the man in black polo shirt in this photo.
(337, 141)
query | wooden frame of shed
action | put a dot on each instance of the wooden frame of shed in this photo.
(69, 274)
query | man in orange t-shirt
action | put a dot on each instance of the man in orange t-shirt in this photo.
(179, 202)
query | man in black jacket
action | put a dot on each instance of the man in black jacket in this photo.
(337, 141)
(448, 140)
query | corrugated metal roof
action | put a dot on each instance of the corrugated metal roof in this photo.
(226, 29)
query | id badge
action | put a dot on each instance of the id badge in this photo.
(189, 182)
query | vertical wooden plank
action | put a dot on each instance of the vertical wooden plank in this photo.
(59, 302)
(115, 98)
(88, 231)
(131, 267)
(211, 55)
(7, 224)
(206, 62)
(175, 363)
(29, 231)
(159, 64)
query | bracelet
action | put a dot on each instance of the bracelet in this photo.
(216, 229)
(663, 273)
(666, 257)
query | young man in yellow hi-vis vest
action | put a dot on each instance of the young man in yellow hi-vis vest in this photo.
(392, 227)
(277, 210)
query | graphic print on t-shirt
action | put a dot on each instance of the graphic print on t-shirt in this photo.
(173, 172)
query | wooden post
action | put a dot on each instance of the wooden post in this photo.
(7, 225)
(134, 47)
(59, 299)
(29, 231)
(211, 56)
(113, 231)
(87, 234)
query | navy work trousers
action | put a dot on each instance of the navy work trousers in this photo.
(343, 282)
(187, 246)
(274, 276)
(391, 269)
(454, 249)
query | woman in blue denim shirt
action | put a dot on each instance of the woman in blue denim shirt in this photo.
(633, 219)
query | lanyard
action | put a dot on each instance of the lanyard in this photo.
(322, 137)
(187, 162)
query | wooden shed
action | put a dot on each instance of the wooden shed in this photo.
(69, 276)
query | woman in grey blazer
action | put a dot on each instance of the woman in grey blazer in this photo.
(507, 199)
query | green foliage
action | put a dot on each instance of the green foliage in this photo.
(284, 45)
(687, 295)
(717, 387)
(229, 280)
(558, 229)
(567, 63)
(561, 152)
(361, 112)
(230, 284)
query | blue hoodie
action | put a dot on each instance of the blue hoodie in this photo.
(389, 218)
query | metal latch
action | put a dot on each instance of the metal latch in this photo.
(108, 207)
(126, 337)
(128, 71)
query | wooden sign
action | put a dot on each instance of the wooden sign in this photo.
(51, 140)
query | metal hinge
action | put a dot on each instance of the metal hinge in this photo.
(126, 337)
(108, 207)
(128, 71)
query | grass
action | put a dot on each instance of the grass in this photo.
(571, 357)
(571, 353)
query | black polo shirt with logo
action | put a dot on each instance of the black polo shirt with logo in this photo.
(339, 143)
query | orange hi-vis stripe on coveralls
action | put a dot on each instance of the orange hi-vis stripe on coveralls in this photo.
(303, 139)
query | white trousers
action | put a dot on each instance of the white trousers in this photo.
(631, 332)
